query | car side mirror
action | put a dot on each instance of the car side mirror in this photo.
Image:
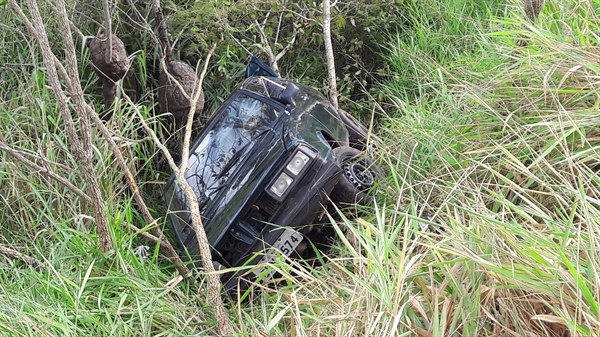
(289, 93)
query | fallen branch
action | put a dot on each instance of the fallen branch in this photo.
(15, 255)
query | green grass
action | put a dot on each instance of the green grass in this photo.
(487, 224)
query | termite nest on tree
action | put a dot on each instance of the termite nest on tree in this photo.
(109, 72)
(170, 97)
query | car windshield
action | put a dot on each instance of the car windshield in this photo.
(210, 164)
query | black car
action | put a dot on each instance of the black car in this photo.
(264, 168)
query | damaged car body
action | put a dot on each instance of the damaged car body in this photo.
(263, 169)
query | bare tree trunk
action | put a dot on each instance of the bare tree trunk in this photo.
(333, 93)
(81, 145)
(532, 9)
(213, 281)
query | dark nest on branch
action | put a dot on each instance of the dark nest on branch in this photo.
(170, 97)
(109, 72)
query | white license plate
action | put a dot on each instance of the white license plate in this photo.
(286, 244)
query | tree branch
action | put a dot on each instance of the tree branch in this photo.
(15, 255)
(289, 45)
(213, 281)
(45, 172)
(266, 45)
(107, 30)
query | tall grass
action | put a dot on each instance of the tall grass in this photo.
(487, 224)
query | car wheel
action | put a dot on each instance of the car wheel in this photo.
(358, 133)
(359, 175)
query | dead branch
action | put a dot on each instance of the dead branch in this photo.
(15, 255)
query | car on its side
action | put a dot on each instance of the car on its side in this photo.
(264, 168)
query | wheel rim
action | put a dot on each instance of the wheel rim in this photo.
(359, 174)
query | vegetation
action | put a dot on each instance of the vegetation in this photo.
(487, 224)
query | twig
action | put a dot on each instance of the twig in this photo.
(164, 243)
(73, 27)
(45, 172)
(289, 45)
(15, 255)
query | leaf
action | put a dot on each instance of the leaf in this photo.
(340, 21)
(550, 319)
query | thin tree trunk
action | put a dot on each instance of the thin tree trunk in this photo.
(81, 147)
(333, 94)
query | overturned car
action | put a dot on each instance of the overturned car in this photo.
(264, 168)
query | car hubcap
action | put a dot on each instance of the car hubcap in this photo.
(359, 175)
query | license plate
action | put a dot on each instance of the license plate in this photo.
(286, 244)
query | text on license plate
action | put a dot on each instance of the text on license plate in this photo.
(286, 244)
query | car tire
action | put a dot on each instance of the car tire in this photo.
(358, 133)
(359, 175)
